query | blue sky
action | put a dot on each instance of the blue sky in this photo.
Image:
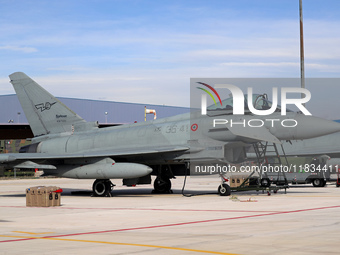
(147, 51)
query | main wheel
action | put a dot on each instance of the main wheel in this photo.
(162, 185)
(101, 188)
(224, 190)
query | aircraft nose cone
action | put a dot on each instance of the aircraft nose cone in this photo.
(310, 127)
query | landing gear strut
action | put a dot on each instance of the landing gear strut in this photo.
(102, 188)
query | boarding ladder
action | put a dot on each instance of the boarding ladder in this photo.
(269, 158)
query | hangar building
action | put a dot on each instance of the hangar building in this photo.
(14, 125)
(91, 110)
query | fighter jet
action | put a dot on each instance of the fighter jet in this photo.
(65, 145)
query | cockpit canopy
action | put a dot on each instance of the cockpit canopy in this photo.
(260, 102)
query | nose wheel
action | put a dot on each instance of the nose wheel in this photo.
(224, 190)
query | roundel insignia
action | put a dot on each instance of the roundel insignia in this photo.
(194, 127)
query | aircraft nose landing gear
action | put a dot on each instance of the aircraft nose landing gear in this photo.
(224, 188)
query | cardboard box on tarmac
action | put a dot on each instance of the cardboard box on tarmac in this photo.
(41, 196)
(32, 196)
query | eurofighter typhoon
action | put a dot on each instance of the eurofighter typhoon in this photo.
(65, 145)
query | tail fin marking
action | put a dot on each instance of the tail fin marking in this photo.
(45, 113)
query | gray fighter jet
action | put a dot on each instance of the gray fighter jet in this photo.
(65, 145)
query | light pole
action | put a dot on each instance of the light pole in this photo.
(302, 54)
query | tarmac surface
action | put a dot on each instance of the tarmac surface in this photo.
(306, 220)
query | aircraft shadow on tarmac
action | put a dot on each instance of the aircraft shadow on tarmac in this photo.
(122, 193)
(14, 195)
(298, 189)
(135, 192)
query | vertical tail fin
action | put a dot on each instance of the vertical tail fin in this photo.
(45, 113)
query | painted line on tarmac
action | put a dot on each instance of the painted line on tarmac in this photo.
(31, 233)
(199, 222)
(311, 196)
(116, 243)
(184, 223)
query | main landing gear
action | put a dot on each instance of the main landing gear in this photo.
(102, 188)
(162, 183)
